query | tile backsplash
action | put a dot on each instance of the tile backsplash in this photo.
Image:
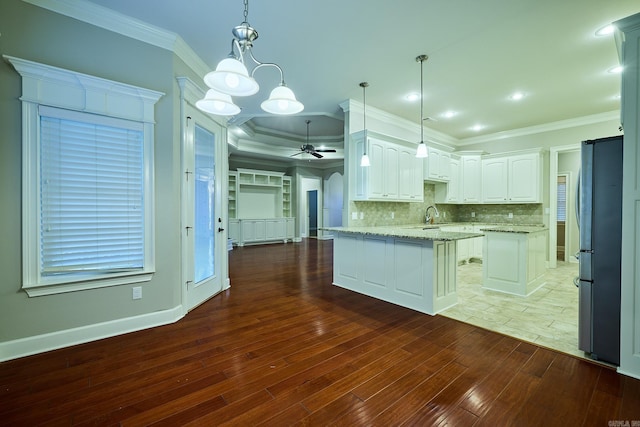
(380, 213)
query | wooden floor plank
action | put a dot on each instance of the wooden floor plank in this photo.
(285, 347)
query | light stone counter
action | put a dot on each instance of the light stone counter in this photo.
(423, 232)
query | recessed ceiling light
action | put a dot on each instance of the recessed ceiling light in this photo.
(516, 96)
(412, 97)
(449, 114)
(606, 30)
(477, 128)
(615, 70)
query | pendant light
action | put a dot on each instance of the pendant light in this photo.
(364, 161)
(422, 151)
(231, 78)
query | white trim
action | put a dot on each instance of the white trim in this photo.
(46, 342)
(547, 127)
(125, 25)
(58, 87)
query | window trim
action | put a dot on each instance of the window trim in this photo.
(59, 88)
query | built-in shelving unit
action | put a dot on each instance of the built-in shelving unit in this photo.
(260, 207)
(232, 194)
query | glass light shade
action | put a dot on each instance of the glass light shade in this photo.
(282, 101)
(231, 77)
(422, 152)
(217, 103)
(364, 161)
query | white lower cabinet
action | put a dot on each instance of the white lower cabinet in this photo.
(261, 230)
(415, 273)
(514, 263)
(234, 230)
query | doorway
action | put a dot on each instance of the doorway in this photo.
(312, 211)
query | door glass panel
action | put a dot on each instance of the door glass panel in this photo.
(204, 205)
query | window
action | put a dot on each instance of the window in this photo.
(87, 181)
(562, 198)
(204, 204)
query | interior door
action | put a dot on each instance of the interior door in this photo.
(203, 234)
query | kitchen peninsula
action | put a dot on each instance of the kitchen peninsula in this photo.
(412, 266)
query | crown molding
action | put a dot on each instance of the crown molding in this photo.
(432, 137)
(547, 127)
(125, 25)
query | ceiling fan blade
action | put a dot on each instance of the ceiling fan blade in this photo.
(325, 150)
(313, 153)
(296, 154)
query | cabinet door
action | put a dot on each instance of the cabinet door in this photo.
(410, 185)
(391, 173)
(445, 166)
(524, 178)
(274, 229)
(260, 230)
(432, 165)
(494, 180)
(234, 230)
(248, 230)
(453, 187)
(376, 170)
(471, 179)
(291, 228)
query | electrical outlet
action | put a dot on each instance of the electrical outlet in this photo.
(473, 214)
(437, 214)
(361, 215)
(393, 215)
(354, 215)
(510, 215)
(137, 292)
(444, 214)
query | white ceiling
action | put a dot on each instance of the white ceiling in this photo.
(479, 52)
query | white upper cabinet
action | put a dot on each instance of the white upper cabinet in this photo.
(450, 192)
(512, 179)
(410, 176)
(394, 174)
(471, 182)
(494, 180)
(437, 166)
(525, 178)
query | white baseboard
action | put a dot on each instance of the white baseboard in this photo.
(46, 342)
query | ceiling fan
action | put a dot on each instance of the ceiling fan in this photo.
(310, 149)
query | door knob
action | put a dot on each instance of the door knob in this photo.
(220, 229)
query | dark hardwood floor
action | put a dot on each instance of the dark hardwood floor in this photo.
(283, 346)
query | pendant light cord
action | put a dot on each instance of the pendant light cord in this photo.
(421, 103)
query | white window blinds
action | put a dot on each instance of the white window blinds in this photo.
(91, 193)
(562, 199)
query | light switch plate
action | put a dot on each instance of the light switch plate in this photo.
(510, 215)
(354, 215)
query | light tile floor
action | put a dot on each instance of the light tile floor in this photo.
(548, 317)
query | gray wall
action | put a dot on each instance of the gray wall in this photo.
(36, 34)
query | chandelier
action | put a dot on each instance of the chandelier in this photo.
(232, 78)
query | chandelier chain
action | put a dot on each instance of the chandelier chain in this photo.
(246, 10)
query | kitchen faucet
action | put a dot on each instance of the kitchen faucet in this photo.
(429, 219)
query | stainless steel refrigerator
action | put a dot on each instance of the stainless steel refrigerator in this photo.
(600, 223)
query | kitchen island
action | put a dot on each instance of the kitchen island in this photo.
(412, 266)
(514, 258)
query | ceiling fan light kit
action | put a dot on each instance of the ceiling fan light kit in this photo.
(231, 77)
(310, 149)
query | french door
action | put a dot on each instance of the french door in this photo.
(203, 237)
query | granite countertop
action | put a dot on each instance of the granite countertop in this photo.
(434, 232)
(523, 229)
(407, 231)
